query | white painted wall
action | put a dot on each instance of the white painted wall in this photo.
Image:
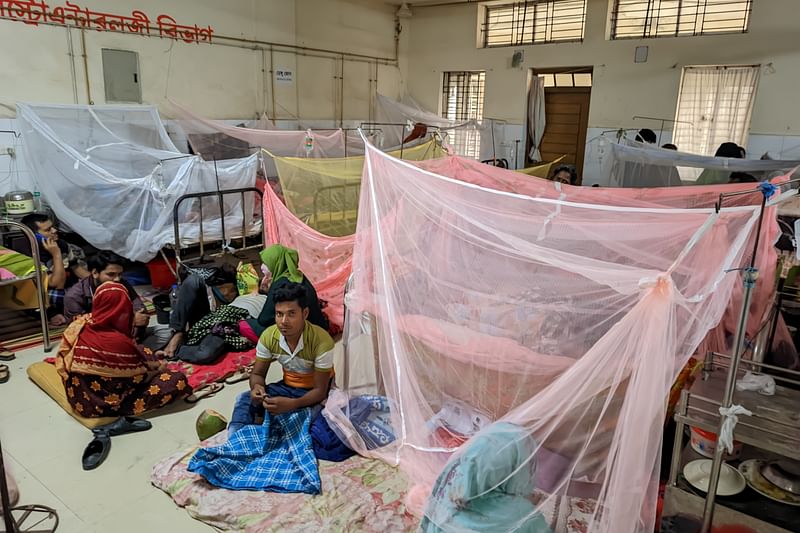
(444, 38)
(225, 79)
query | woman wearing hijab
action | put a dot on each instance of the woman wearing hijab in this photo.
(487, 487)
(280, 266)
(105, 372)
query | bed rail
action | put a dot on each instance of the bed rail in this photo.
(37, 276)
(333, 221)
(225, 247)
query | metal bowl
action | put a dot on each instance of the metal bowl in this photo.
(783, 474)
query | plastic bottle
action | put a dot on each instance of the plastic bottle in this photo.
(309, 141)
(173, 296)
(37, 201)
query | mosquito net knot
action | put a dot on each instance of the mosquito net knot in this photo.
(661, 284)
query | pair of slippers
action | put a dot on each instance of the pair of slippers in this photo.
(97, 450)
(5, 355)
(205, 391)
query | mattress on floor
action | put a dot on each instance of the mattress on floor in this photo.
(199, 375)
(358, 495)
(46, 377)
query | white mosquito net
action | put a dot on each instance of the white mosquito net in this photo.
(323, 192)
(634, 164)
(111, 174)
(215, 139)
(471, 306)
(481, 140)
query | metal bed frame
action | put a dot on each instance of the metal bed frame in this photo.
(321, 214)
(37, 276)
(180, 256)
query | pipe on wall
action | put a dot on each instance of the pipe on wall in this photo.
(86, 67)
(73, 73)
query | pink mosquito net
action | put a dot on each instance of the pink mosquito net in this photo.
(327, 260)
(564, 312)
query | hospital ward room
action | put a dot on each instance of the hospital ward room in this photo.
(374, 266)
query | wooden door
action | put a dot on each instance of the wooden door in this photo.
(567, 113)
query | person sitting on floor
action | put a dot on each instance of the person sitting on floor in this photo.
(304, 350)
(72, 258)
(203, 291)
(107, 266)
(280, 266)
(487, 486)
(105, 372)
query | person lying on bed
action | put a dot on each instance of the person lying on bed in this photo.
(107, 266)
(280, 267)
(105, 372)
(304, 350)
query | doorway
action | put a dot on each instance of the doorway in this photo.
(567, 93)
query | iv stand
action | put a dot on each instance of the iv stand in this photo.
(749, 277)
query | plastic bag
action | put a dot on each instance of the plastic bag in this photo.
(246, 279)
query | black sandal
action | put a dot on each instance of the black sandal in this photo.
(5, 374)
(123, 425)
(96, 451)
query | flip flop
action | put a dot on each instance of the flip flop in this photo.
(123, 425)
(6, 355)
(205, 391)
(240, 375)
(96, 452)
(4, 373)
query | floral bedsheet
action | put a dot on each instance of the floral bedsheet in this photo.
(358, 495)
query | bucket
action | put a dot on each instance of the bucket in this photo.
(163, 308)
(161, 276)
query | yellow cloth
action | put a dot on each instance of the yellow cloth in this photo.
(324, 192)
(542, 170)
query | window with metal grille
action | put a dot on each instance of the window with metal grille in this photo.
(533, 22)
(714, 106)
(637, 19)
(462, 101)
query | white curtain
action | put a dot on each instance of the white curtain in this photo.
(536, 118)
(714, 106)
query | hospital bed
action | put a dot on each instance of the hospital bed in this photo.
(202, 235)
(38, 277)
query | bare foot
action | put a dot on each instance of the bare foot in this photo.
(58, 320)
(172, 346)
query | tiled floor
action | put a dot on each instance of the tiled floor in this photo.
(43, 446)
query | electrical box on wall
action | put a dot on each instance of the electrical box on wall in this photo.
(121, 76)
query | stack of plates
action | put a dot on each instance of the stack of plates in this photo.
(776, 480)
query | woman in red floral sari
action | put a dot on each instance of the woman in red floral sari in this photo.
(105, 372)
